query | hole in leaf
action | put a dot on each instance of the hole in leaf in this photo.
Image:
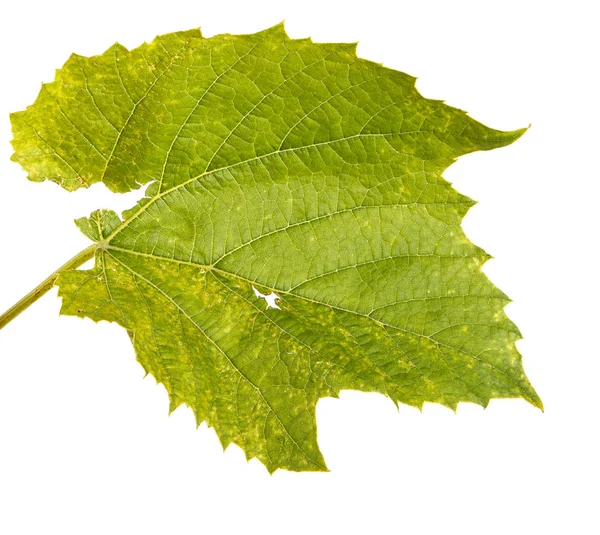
(270, 298)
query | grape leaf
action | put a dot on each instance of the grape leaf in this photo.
(296, 237)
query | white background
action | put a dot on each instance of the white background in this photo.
(86, 446)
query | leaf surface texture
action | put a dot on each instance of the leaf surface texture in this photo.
(276, 165)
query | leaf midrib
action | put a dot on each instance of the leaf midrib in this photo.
(436, 343)
(162, 194)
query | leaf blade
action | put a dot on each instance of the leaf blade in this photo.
(294, 168)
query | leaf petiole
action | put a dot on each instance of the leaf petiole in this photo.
(44, 286)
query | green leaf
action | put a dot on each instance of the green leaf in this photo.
(277, 167)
